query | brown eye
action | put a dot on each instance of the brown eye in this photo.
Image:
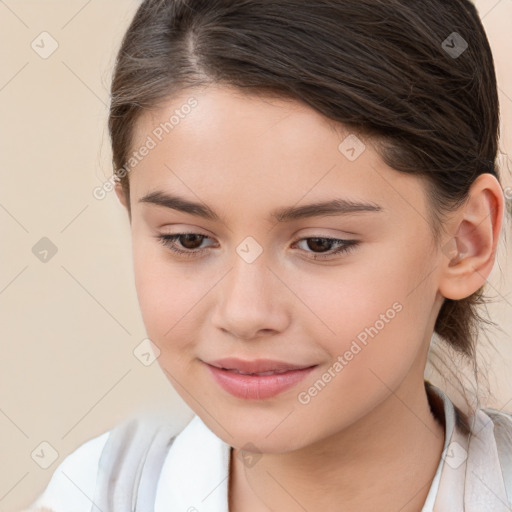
(322, 247)
(186, 244)
(190, 240)
(319, 244)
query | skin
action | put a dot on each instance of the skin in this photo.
(368, 439)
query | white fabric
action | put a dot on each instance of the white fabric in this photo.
(73, 482)
(195, 472)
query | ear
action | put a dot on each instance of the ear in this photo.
(121, 195)
(470, 253)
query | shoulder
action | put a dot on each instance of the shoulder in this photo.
(502, 433)
(109, 464)
(502, 423)
(74, 479)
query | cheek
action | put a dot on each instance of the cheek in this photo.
(372, 327)
(375, 314)
(166, 294)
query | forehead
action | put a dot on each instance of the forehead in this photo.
(221, 143)
(209, 118)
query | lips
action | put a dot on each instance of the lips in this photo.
(256, 366)
(270, 372)
(257, 385)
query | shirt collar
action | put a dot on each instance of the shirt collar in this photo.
(469, 476)
(195, 474)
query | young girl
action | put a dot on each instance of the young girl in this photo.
(313, 193)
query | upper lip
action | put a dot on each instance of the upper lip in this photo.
(256, 365)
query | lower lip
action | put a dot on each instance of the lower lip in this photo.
(257, 387)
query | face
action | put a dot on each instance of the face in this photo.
(350, 293)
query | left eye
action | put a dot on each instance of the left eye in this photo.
(189, 243)
(343, 246)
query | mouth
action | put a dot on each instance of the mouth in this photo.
(256, 366)
(270, 372)
(258, 385)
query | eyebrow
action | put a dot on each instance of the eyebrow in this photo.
(331, 207)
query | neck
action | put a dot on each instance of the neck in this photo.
(385, 461)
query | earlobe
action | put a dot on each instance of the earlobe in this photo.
(469, 255)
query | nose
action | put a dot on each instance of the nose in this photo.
(251, 301)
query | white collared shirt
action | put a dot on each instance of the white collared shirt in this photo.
(194, 477)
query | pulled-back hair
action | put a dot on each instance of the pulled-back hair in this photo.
(397, 71)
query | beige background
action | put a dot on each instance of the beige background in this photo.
(69, 326)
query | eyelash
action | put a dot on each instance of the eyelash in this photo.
(169, 242)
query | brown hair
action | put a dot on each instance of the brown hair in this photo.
(384, 69)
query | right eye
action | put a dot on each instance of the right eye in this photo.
(186, 240)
